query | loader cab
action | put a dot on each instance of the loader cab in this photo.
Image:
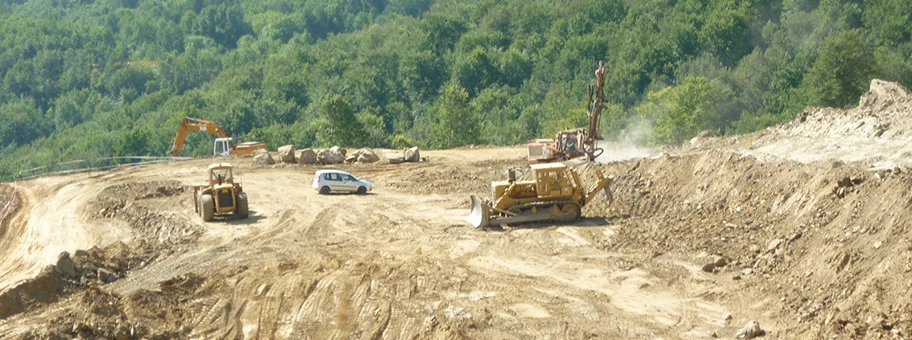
(220, 174)
(222, 146)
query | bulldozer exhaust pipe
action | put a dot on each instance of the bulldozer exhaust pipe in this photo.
(480, 216)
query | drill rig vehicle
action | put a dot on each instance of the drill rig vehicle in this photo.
(574, 143)
(555, 193)
(223, 144)
(221, 195)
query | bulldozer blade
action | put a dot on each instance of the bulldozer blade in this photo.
(479, 217)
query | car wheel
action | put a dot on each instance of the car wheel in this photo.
(324, 190)
(362, 190)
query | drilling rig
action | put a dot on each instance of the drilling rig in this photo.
(579, 142)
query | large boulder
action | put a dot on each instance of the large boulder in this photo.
(750, 330)
(307, 156)
(262, 157)
(411, 155)
(66, 265)
(334, 155)
(364, 155)
(287, 154)
(106, 276)
(394, 158)
(367, 156)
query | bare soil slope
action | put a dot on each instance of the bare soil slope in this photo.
(803, 228)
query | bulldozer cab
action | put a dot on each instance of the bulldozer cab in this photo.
(551, 180)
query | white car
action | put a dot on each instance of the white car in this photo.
(326, 181)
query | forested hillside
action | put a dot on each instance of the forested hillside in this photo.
(83, 79)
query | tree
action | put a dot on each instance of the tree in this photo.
(223, 23)
(841, 73)
(889, 22)
(514, 67)
(413, 8)
(725, 31)
(22, 123)
(457, 126)
(680, 112)
(475, 72)
(129, 82)
(375, 134)
(337, 124)
(443, 32)
(134, 142)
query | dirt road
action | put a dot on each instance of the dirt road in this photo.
(702, 239)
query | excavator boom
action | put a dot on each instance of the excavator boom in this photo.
(195, 124)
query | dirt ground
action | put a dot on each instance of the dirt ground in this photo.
(803, 228)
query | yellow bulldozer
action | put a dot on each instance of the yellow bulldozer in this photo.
(555, 193)
(221, 195)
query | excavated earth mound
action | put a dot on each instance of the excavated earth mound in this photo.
(877, 133)
(139, 206)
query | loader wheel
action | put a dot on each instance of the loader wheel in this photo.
(324, 190)
(242, 210)
(362, 190)
(207, 208)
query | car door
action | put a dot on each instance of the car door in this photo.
(332, 180)
(349, 183)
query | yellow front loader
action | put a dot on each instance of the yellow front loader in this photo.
(555, 193)
(221, 195)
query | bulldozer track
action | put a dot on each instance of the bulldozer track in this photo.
(559, 203)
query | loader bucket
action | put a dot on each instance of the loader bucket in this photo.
(479, 216)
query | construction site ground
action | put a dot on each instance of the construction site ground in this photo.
(803, 228)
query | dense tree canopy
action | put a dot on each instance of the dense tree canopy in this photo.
(91, 79)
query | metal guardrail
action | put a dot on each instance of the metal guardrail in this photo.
(100, 164)
(4, 213)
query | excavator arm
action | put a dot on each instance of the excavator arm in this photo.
(195, 124)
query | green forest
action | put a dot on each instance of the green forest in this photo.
(88, 79)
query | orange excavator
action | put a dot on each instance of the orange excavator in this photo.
(223, 144)
(574, 143)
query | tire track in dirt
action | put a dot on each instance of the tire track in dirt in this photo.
(55, 223)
